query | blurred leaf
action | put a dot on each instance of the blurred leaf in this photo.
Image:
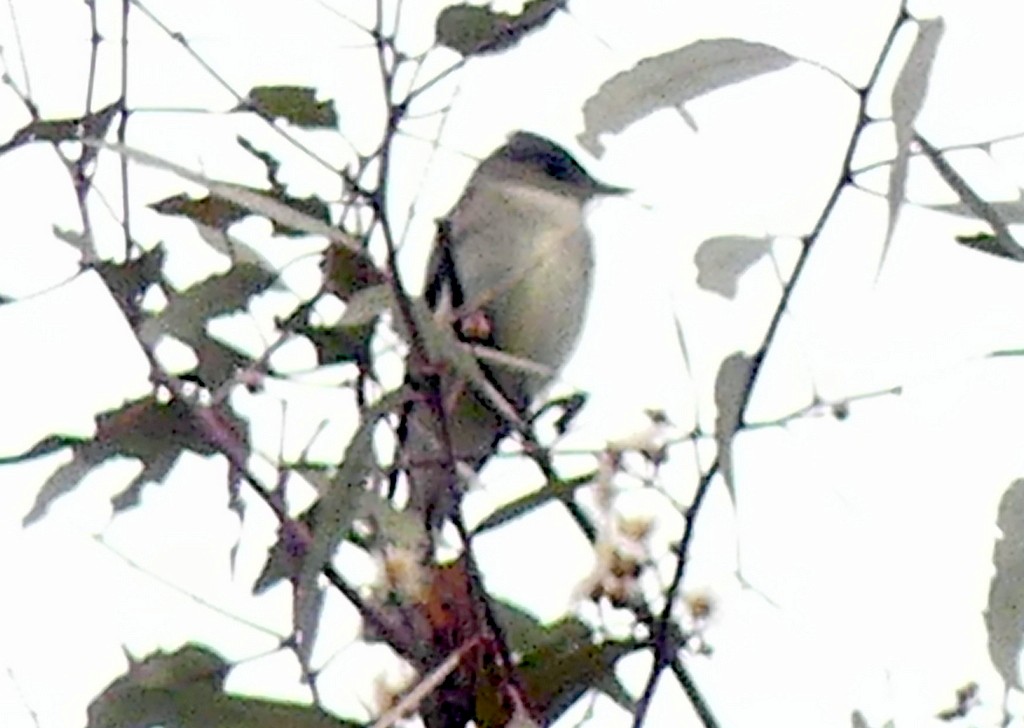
(335, 511)
(1007, 352)
(219, 213)
(153, 432)
(297, 104)
(474, 30)
(1004, 614)
(92, 125)
(366, 306)
(285, 557)
(212, 211)
(562, 491)
(722, 260)
(671, 79)
(562, 661)
(347, 272)
(997, 215)
(188, 313)
(731, 386)
(257, 201)
(185, 690)
(986, 243)
(1011, 211)
(129, 281)
(338, 345)
(908, 97)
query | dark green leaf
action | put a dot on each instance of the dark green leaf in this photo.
(129, 281)
(297, 104)
(475, 30)
(153, 432)
(986, 243)
(184, 690)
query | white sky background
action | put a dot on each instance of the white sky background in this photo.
(871, 537)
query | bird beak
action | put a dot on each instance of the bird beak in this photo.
(600, 188)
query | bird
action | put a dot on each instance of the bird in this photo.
(512, 266)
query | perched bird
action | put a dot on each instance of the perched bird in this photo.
(512, 266)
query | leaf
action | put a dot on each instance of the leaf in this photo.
(297, 104)
(335, 511)
(986, 243)
(188, 313)
(337, 345)
(65, 130)
(347, 272)
(258, 202)
(562, 491)
(129, 281)
(908, 97)
(1004, 614)
(561, 662)
(153, 432)
(219, 213)
(972, 201)
(671, 79)
(184, 689)
(366, 305)
(474, 30)
(731, 386)
(722, 260)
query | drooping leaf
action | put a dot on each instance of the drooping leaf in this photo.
(1004, 614)
(722, 260)
(155, 433)
(184, 689)
(562, 491)
(730, 389)
(671, 79)
(297, 104)
(908, 97)
(475, 30)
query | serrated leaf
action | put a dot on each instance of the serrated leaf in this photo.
(297, 104)
(671, 79)
(1004, 613)
(184, 689)
(474, 30)
(908, 97)
(153, 432)
(722, 260)
(731, 386)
